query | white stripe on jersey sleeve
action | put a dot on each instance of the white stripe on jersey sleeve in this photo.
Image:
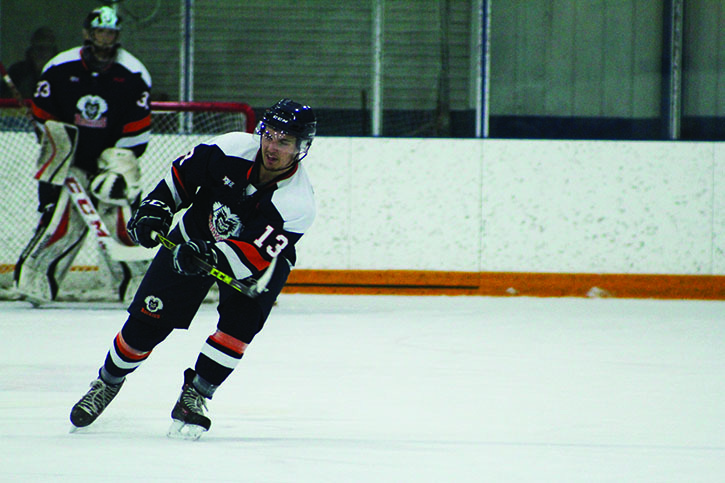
(169, 180)
(133, 141)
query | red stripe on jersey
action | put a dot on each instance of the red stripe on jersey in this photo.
(251, 254)
(232, 343)
(41, 114)
(137, 125)
(177, 177)
(129, 352)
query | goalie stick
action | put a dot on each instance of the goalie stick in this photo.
(15, 92)
(252, 290)
(107, 244)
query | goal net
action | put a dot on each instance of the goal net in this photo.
(176, 128)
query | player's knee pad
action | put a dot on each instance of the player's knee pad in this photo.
(142, 335)
(240, 317)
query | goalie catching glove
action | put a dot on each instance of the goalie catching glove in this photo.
(119, 179)
(186, 257)
(152, 216)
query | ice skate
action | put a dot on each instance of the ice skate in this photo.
(93, 403)
(188, 413)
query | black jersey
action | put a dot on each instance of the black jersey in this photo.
(110, 107)
(250, 224)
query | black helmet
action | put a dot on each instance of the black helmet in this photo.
(292, 118)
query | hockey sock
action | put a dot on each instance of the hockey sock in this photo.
(218, 357)
(132, 345)
(121, 360)
(204, 387)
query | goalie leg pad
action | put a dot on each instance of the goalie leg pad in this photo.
(115, 217)
(57, 149)
(46, 259)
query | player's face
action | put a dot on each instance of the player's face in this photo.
(103, 41)
(279, 150)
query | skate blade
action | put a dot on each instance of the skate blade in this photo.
(181, 430)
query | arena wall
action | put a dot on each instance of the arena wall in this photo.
(508, 217)
(500, 217)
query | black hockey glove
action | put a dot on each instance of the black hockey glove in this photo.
(186, 257)
(152, 215)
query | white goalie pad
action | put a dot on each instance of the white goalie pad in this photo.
(57, 149)
(46, 259)
(119, 181)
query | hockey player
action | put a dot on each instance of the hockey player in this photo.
(249, 201)
(103, 91)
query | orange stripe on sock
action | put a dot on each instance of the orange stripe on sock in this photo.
(128, 351)
(231, 343)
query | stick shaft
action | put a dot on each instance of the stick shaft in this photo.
(252, 290)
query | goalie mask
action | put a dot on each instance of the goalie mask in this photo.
(291, 118)
(101, 30)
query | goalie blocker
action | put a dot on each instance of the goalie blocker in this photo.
(69, 213)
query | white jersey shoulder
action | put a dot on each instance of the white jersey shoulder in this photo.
(295, 201)
(129, 61)
(293, 198)
(237, 144)
(123, 57)
(69, 55)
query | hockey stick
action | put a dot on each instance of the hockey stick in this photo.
(109, 247)
(57, 151)
(15, 91)
(251, 289)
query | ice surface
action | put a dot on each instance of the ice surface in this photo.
(384, 389)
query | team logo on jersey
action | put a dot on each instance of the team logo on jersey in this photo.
(153, 305)
(223, 223)
(92, 109)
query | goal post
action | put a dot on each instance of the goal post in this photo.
(176, 127)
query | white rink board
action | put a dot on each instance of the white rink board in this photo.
(495, 205)
(718, 215)
(517, 205)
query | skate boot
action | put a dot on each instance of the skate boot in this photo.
(188, 413)
(93, 403)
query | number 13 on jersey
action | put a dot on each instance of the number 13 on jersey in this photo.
(272, 249)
